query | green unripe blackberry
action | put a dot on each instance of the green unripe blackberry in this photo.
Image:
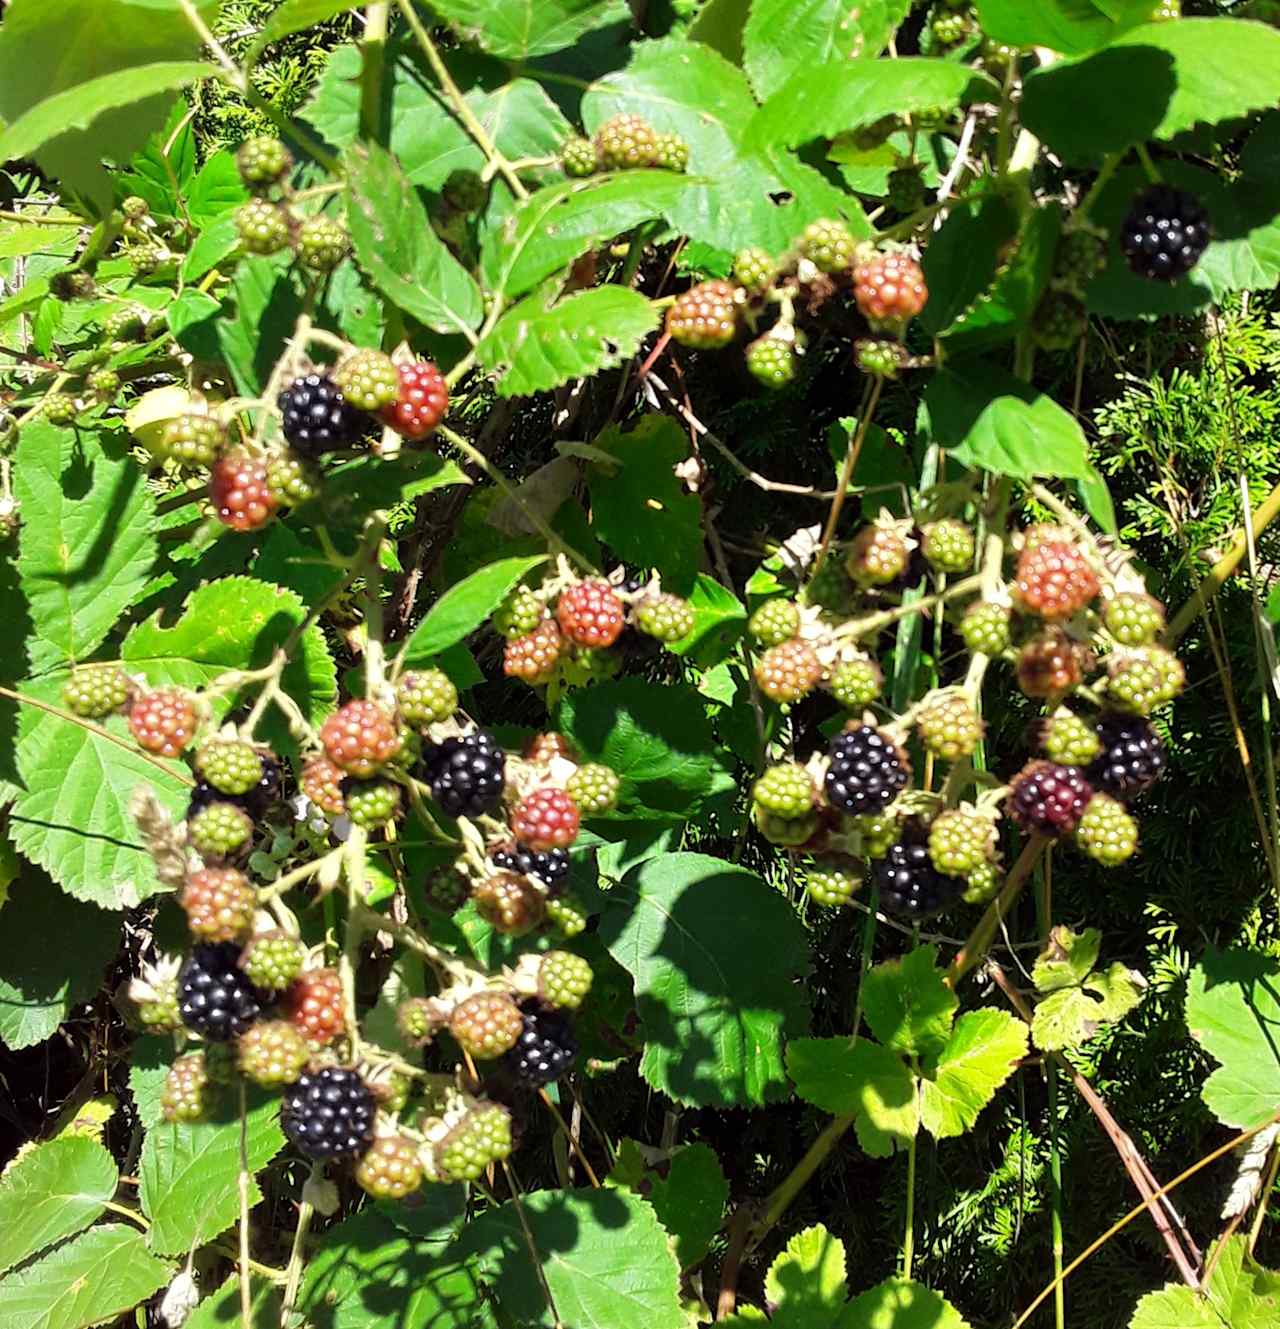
(776, 621)
(60, 408)
(949, 727)
(192, 440)
(75, 284)
(1107, 833)
(986, 627)
(784, 831)
(785, 791)
(410, 751)
(594, 789)
(263, 161)
(371, 803)
(567, 914)
(103, 383)
(982, 884)
(291, 479)
(1081, 255)
(1136, 681)
(156, 1006)
(951, 28)
(906, 188)
(960, 841)
(997, 57)
(518, 614)
(273, 960)
(754, 269)
(186, 1092)
(263, 227)
(392, 1093)
(124, 324)
(855, 683)
(391, 1168)
(1132, 618)
(772, 360)
(832, 883)
(230, 765)
(1069, 739)
(878, 832)
(135, 208)
(322, 243)
(219, 830)
(578, 158)
(879, 356)
(832, 589)
(417, 1021)
(272, 1053)
(144, 259)
(426, 696)
(369, 380)
(96, 690)
(1059, 321)
(482, 1137)
(666, 617)
(949, 545)
(670, 152)
(626, 141)
(828, 245)
(564, 979)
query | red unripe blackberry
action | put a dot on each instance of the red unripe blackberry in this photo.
(192, 440)
(626, 141)
(329, 1113)
(272, 960)
(220, 830)
(1053, 579)
(890, 290)
(482, 1137)
(534, 657)
(487, 1024)
(360, 737)
(832, 883)
(426, 696)
(785, 791)
(231, 766)
(314, 1006)
(949, 727)
(96, 690)
(909, 884)
(466, 775)
(985, 627)
(1049, 664)
(594, 789)
(545, 1049)
(877, 556)
(322, 784)
(866, 771)
(771, 360)
(163, 721)
(422, 402)
(788, 672)
(1107, 833)
(220, 904)
(238, 489)
(775, 621)
(272, 1053)
(371, 803)
(391, 1169)
(185, 1096)
(1048, 799)
(216, 1000)
(1132, 757)
(855, 683)
(322, 244)
(263, 226)
(590, 614)
(547, 818)
(564, 979)
(1165, 233)
(543, 749)
(668, 618)
(705, 316)
(509, 903)
(949, 545)
(1132, 618)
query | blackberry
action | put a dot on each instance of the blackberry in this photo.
(518, 614)
(421, 401)
(123, 324)
(186, 1092)
(564, 979)
(890, 290)
(828, 245)
(219, 830)
(578, 157)
(291, 479)
(670, 152)
(391, 1169)
(949, 545)
(487, 1024)
(1165, 233)
(263, 226)
(466, 775)
(1049, 664)
(832, 883)
(668, 618)
(273, 960)
(705, 316)
(1068, 739)
(329, 1113)
(776, 621)
(239, 492)
(590, 613)
(534, 656)
(1132, 757)
(509, 903)
(877, 831)
(546, 1047)
(96, 690)
(322, 784)
(785, 791)
(877, 556)
(788, 672)
(949, 726)
(60, 408)
(546, 818)
(1144, 678)
(753, 269)
(231, 766)
(771, 360)
(272, 1053)
(567, 914)
(549, 866)
(219, 902)
(1048, 799)
(368, 379)
(982, 884)
(1059, 321)
(910, 886)
(1133, 618)
(1081, 255)
(263, 161)
(831, 589)
(426, 696)
(594, 789)
(215, 998)
(314, 1005)
(482, 1137)
(417, 1021)
(1107, 833)
(626, 141)
(960, 841)
(371, 803)
(316, 418)
(545, 748)
(855, 683)
(1053, 578)
(360, 737)
(103, 383)
(785, 831)
(879, 357)
(192, 440)
(867, 771)
(322, 244)
(905, 188)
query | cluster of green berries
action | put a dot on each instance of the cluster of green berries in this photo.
(625, 142)
(267, 226)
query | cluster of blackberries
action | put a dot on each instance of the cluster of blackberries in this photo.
(626, 142)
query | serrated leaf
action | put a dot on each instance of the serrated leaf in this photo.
(189, 1174)
(522, 29)
(1066, 1018)
(963, 257)
(1067, 960)
(396, 246)
(1233, 1012)
(87, 542)
(52, 1191)
(984, 1048)
(718, 620)
(1238, 1295)
(863, 1080)
(221, 1309)
(806, 1283)
(900, 1304)
(266, 306)
(1116, 990)
(689, 1200)
(713, 952)
(907, 1005)
(1073, 27)
(534, 348)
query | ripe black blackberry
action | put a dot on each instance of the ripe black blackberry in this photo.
(466, 775)
(550, 866)
(867, 771)
(316, 418)
(329, 1113)
(909, 884)
(1164, 233)
(215, 998)
(1132, 757)
(546, 1047)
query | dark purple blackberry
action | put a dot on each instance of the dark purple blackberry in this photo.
(550, 866)
(867, 771)
(215, 999)
(316, 417)
(1048, 799)
(1165, 233)
(1132, 758)
(546, 1046)
(466, 775)
(909, 884)
(329, 1113)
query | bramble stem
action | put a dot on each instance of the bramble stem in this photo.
(373, 50)
(980, 939)
(246, 1288)
(293, 1273)
(870, 400)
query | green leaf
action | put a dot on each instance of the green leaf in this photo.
(842, 95)
(990, 420)
(1154, 82)
(785, 36)
(690, 1199)
(907, 1005)
(522, 29)
(18, 239)
(1069, 1017)
(1067, 960)
(984, 1048)
(1233, 1012)
(93, 1278)
(52, 1191)
(267, 304)
(535, 347)
(87, 543)
(189, 310)
(962, 259)
(806, 1283)
(863, 1080)
(1239, 1295)
(714, 953)
(1096, 498)
(718, 620)
(221, 1310)
(603, 1253)
(396, 246)
(189, 1174)
(900, 1304)
(465, 606)
(640, 509)
(1073, 27)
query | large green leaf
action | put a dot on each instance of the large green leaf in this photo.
(714, 953)
(536, 346)
(89, 1280)
(1153, 82)
(689, 1199)
(1073, 27)
(900, 1304)
(396, 246)
(863, 1080)
(962, 260)
(907, 1005)
(806, 1284)
(1233, 1012)
(221, 1310)
(984, 1048)
(521, 29)
(87, 542)
(1238, 1295)
(267, 303)
(52, 1191)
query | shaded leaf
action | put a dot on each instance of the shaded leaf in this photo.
(55, 1189)
(962, 259)
(1073, 27)
(863, 1080)
(521, 29)
(689, 1200)
(806, 1283)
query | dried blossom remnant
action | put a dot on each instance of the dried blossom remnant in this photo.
(166, 842)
